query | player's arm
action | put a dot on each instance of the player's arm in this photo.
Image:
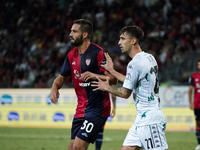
(190, 91)
(109, 67)
(112, 79)
(114, 105)
(118, 75)
(89, 75)
(104, 86)
(57, 84)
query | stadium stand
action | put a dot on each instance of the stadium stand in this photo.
(34, 36)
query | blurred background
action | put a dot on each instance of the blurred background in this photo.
(34, 36)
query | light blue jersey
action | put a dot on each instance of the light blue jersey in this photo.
(141, 77)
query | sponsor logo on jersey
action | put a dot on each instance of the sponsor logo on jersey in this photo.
(77, 74)
(74, 63)
(196, 79)
(84, 84)
(130, 66)
(128, 76)
(87, 61)
(6, 99)
(13, 116)
(197, 85)
(59, 117)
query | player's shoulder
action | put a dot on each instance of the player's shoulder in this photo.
(96, 47)
(195, 74)
(135, 62)
(73, 52)
(139, 58)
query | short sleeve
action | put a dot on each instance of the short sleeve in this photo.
(66, 69)
(191, 81)
(101, 60)
(132, 76)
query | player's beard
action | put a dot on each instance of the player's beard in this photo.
(77, 42)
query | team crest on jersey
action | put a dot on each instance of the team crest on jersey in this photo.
(87, 61)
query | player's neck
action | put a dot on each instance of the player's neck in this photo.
(84, 46)
(135, 50)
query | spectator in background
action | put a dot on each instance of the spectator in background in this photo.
(29, 28)
(194, 100)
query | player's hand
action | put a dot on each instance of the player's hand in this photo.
(191, 106)
(88, 75)
(113, 113)
(54, 95)
(109, 64)
(100, 84)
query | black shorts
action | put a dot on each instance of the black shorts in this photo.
(197, 114)
(86, 128)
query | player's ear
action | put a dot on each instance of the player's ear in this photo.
(85, 34)
(133, 41)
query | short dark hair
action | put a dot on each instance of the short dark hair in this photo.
(133, 31)
(86, 26)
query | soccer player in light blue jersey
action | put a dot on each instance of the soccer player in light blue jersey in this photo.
(141, 77)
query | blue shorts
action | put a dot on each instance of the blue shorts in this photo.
(197, 114)
(86, 128)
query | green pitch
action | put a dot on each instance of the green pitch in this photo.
(58, 139)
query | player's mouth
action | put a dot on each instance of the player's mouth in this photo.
(71, 38)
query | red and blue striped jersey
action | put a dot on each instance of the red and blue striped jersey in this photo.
(195, 81)
(90, 103)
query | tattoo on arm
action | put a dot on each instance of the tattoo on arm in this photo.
(120, 92)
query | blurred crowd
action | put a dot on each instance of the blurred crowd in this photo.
(34, 36)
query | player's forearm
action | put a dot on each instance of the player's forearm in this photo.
(112, 79)
(58, 83)
(113, 100)
(117, 75)
(190, 97)
(114, 103)
(190, 94)
(120, 92)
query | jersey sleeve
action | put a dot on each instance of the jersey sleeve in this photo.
(101, 60)
(66, 69)
(191, 81)
(132, 76)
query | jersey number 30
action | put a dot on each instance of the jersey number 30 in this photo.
(87, 126)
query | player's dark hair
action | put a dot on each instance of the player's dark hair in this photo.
(133, 31)
(86, 26)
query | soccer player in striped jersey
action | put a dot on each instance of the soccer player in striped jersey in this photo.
(194, 100)
(83, 64)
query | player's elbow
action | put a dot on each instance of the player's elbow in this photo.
(126, 96)
(126, 93)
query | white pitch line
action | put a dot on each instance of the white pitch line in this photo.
(107, 139)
